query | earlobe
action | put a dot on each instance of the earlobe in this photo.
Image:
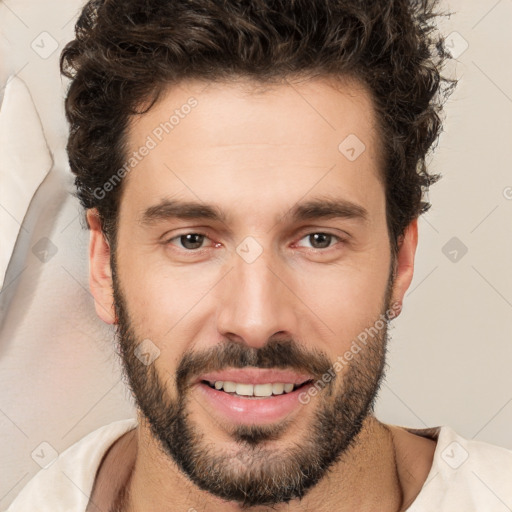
(100, 273)
(404, 265)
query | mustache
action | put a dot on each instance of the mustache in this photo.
(277, 353)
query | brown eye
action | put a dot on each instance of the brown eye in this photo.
(320, 240)
(192, 240)
(189, 241)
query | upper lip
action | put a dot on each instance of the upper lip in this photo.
(256, 376)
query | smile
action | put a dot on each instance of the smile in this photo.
(254, 390)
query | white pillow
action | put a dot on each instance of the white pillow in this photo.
(25, 160)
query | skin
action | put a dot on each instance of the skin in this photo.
(255, 154)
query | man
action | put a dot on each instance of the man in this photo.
(252, 174)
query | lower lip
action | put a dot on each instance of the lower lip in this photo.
(242, 410)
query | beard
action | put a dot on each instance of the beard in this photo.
(257, 472)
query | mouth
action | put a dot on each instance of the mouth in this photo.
(248, 390)
(253, 395)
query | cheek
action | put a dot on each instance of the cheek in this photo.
(162, 299)
(347, 298)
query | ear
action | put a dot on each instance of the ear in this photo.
(100, 274)
(404, 264)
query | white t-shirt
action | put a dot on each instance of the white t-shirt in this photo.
(466, 475)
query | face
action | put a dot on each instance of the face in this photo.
(252, 257)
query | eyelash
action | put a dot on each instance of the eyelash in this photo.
(200, 249)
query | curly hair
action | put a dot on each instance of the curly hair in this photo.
(127, 52)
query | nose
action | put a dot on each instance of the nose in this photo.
(256, 303)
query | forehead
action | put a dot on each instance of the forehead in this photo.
(231, 139)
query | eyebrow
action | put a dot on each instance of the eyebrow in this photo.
(325, 208)
(320, 208)
(187, 210)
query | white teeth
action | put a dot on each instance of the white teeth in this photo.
(244, 389)
(288, 388)
(229, 387)
(277, 388)
(263, 389)
(241, 389)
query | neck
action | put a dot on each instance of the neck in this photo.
(366, 478)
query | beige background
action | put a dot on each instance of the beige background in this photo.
(451, 350)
